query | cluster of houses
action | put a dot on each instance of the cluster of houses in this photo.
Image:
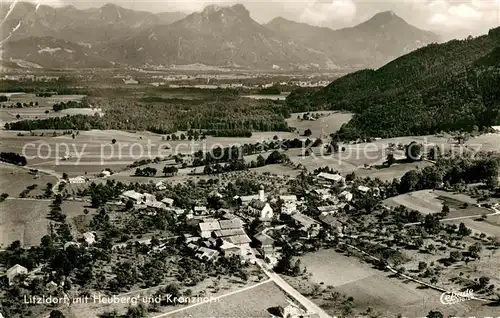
(225, 236)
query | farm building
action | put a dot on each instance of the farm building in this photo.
(229, 232)
(207, 254)
(230, 249)
(131, 194)
(242, 240)
(246, 199)
(333, 222)
(330, 177)
(307, 224)
(235, 223)
(205, 229)
(14, 271)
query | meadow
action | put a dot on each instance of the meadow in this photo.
(431, 201)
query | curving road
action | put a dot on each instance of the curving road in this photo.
(304, 301)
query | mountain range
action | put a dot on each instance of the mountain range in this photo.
(441, 87)
(67, 37)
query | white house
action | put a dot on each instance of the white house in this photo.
(68, 244)
(330, 177)
(89, 238)
(14, 271)
(77, 180)
(289, 205)
(328, 209)
(294, 311)
(160, 185)
(200, 210)
(105, 174)
(363, 189)
(131, 194)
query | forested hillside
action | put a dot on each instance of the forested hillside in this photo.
(450, 86)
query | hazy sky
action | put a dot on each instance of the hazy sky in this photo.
(443, 16)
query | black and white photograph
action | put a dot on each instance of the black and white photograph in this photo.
(249, 158)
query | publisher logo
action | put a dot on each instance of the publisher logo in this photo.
(455, 297)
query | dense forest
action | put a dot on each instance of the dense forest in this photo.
(14, 158)
(440, 87)
(221, 116)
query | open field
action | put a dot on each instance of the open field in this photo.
(26, 219)
(15, 179)
(244, 299)
(394, 171)
(42, 101)
(477, 226)
(329, 123)
(255, 302)
(38, 112)
(23, 220)
(431, 201)
(369, 287)
(92, 151)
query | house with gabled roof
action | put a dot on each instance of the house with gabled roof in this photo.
(168, 201)
(15, 271)
(235, 223)
(205, 229)
(207, 254)
(265, 244)
(229, 249)
(330, 177)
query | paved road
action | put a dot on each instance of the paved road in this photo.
(304, 301)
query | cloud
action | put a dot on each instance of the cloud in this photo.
(476, 16)
(320, 13)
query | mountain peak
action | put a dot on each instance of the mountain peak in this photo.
(385, 17)
(238, 9)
